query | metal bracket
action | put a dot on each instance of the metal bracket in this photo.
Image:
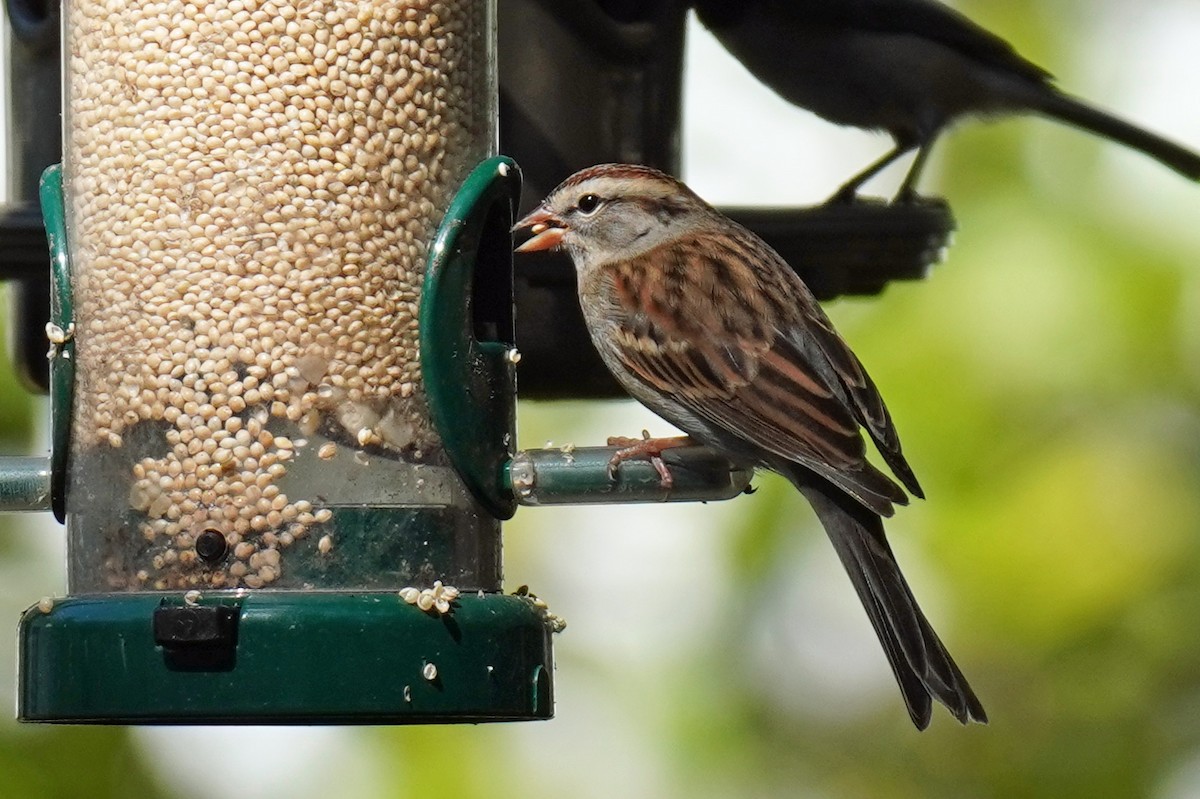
(468, 358)
(40, 483)
(62, 322)
(580, 476)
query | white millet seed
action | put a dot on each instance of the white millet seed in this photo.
(251, 188)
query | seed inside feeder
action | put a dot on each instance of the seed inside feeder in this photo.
(251, 188)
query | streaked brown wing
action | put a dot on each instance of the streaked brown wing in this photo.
(866, 402)
(730, 357)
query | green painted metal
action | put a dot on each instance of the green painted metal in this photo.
(33, 483)
(299, 658)
(62, 315)
(25, 483)
(575, 476)
(466, 332)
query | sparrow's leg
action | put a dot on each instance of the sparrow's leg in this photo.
(849, 190)
(647, 448)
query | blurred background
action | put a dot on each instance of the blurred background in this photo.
(1046, 382)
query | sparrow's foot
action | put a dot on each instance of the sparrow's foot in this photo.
(646, 448)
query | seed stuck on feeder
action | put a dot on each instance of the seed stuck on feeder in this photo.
(57, 337)
(439, 599)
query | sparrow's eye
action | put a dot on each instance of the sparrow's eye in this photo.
(588, 204)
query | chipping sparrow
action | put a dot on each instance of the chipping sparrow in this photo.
(707, 326)
(908, 67)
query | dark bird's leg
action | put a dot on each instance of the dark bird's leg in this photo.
(849, 190)
(646, 448)
(908, 189)
(922, 666)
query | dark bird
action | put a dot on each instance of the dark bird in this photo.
(907, 67)
(701, 321)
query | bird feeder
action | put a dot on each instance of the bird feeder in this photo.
(283, 375)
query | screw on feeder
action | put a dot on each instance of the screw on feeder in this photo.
(211, 545)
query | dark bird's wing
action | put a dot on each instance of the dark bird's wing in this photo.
(927, 19)
(937, 22)
(726, 331)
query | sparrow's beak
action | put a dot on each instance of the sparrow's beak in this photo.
(547, 230)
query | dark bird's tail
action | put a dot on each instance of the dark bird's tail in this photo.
(923, 667)
(1081, 115)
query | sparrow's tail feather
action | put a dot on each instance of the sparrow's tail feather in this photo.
(922, 666)
(1081, 115)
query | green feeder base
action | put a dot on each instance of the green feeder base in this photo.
(274, 657)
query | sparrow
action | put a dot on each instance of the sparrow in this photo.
(705, 324)
(907, 67)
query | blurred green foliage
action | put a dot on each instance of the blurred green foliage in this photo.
(1044, 382)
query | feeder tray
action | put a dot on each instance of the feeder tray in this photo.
(274, 657)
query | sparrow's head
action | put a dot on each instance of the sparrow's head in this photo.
(612, 212)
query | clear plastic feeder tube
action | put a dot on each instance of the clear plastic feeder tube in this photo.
(251, 188)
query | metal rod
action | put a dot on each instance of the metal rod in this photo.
(573, 476)
(24, 484)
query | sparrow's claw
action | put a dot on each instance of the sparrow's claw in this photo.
(648, 448)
